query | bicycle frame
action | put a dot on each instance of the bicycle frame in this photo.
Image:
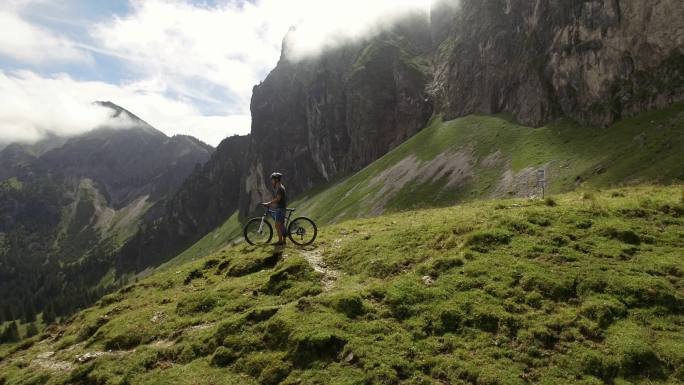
(292, 228)
(270, 211)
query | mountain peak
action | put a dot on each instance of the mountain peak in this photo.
(137, 122)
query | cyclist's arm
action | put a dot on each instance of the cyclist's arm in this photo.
(276, 199)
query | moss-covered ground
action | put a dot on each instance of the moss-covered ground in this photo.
(581, 288)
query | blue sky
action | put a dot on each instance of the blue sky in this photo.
(185, 66)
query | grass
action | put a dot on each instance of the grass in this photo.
(643, 149)
(210, 243)
(586, 290)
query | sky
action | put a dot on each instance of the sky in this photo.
(185, 67)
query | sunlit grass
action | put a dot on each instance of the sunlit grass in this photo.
(583, 288)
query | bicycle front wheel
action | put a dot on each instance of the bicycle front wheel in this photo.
(302, 231)
(257, 234)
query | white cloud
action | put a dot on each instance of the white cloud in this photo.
(190, 68)
(28, 43)
(325, 24)
(234, 46)
(32, 106)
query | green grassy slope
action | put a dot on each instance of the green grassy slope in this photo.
(210, 243)
(584, 288)
(479, 156)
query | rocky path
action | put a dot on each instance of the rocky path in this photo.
(315, 259)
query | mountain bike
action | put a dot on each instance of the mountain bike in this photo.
(302, 231)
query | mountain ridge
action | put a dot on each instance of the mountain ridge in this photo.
(324, 118)
(70, 203)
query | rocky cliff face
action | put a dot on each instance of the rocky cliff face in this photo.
(320, 118)
(594, 61)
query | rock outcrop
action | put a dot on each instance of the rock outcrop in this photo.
(321, 118)
(594, 61)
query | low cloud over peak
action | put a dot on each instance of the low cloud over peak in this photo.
(186, 67)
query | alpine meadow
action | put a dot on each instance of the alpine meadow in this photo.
(411, 192)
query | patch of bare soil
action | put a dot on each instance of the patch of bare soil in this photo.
(47, 361)
(315, 259)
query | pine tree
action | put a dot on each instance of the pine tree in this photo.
(29, 312)
(10, 334)
(49, 314)
(7, 314)
(31, 330)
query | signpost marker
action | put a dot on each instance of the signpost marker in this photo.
(541, 181)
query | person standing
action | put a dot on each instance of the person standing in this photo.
(278, 206)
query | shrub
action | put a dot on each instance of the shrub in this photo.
(321, 346)
(550, 286)
(253, 265)
(10, 333)
(441, 265)
(626, 236)
(196, 303)
(351, 306)
(484, 241)
(274, 373)
(450, 320)
(539, 219)
(195, 274)
(125, 341)
(223, 357)
(603, 309)
(89, 330)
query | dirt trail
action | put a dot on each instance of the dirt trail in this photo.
(315, 259)
(48, 360)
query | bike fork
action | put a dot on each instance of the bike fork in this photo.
(261, 225)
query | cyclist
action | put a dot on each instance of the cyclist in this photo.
(278, 205)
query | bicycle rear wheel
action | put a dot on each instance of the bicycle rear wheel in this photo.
(302, 231)
(255, 234)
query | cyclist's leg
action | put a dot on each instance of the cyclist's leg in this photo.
(280, 225)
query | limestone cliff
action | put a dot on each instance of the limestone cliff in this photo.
(324, 117)
(594, 61)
